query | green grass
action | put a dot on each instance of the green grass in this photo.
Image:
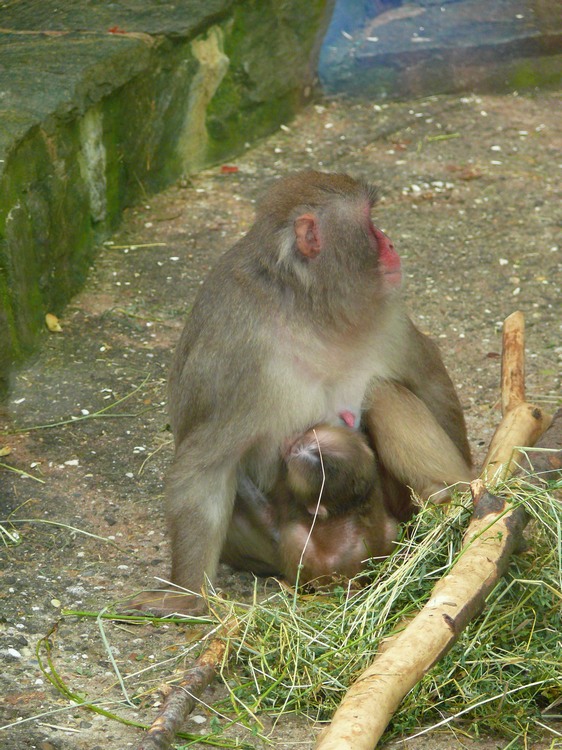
(299, 654)
(503, 676)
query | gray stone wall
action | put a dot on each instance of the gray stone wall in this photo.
(101, 103)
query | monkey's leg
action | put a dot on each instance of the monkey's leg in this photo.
(411, 444)
(199, 502)
(427, 377)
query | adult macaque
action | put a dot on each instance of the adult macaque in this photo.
(324, 517)
(296, 325)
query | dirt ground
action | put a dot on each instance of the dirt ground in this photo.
(471, 199)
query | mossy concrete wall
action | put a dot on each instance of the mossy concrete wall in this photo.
(101, 103)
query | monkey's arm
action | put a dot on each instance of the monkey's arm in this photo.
(253, 535)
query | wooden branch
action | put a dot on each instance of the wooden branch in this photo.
(182, 698)
(513, 362)
(493, 533)
(521, 426)
(522, 423)
(456, 599)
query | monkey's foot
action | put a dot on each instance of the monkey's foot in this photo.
(164, 604)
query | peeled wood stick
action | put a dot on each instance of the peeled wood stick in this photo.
(492, 535)
(513, 362)
(456, 599)
(522, 423)
(182, 698)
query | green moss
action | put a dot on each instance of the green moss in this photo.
(45, 232)
(253, 99)
(8, 338)
(540, 73)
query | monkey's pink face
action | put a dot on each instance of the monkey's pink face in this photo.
(388, 257)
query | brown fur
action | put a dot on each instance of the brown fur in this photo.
(284, 335)
(324, 517)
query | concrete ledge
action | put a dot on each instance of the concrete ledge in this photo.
(429, 47)
(102, 103)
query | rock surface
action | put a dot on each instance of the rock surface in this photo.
(102, 103)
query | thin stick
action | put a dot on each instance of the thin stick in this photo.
(315, 516)
(182, 698)
(100, 414)
(492, 535)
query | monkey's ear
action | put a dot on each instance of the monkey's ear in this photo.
(306, 233)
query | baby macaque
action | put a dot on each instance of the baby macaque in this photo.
(324, 518)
